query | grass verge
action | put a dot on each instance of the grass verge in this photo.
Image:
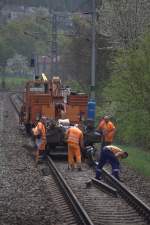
(12, 82)
(138, 159)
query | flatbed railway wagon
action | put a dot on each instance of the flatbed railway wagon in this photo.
(48, 98)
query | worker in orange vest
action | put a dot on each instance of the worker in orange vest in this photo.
(107, 129)
(40, 135)
(75, 142)
(110, 154)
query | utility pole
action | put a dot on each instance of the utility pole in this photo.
(91, 111)
(35, 64)
(93, 49)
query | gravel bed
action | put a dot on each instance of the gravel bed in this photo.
(25, 196)
(103, 208)
(137, 183)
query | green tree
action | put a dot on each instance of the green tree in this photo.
(127, 94)
(24, 37)
(77, 53)
(6, 50)
(58, 5)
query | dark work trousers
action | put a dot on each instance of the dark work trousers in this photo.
(107, 157)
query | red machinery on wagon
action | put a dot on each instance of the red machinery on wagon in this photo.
(50, 99)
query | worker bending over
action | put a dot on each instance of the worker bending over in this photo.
(40, 135)
(107, 129)
(110, 154)
(74, 137)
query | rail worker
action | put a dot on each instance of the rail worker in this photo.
(107, 129)
(110, 154)
(75, 142)
(40, 134)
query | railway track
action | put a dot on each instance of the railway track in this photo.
(16, 101)
(102, 206)
(73, 212)
(26, 197)
(78, 211)
(110, 204)
(131, 198)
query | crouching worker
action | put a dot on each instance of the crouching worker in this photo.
(40, 138)
(110, 154)
(74, 137)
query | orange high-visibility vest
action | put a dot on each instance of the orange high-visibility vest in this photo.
(41, 129)
(109, 128)
(74, 135)
(114, 149)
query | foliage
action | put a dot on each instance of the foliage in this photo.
(77, 54)
(5, 50)
(23, 37)
(124, 20)
(58, 5)
(128, 93)
(17, 65)
(75, 86)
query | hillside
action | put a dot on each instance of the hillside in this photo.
(69, 5)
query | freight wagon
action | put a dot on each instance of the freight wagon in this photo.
(50, 99)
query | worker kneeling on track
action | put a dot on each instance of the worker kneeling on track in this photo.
(74, 137)
(110, 154)
(40, 138)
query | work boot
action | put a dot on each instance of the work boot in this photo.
(70, 167)
(98, 174)
(79, 166)
(116, 175)
(98, 178)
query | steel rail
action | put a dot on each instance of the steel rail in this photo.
(76, 206)
(131, 198)
(105, 187)
(13, 103)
